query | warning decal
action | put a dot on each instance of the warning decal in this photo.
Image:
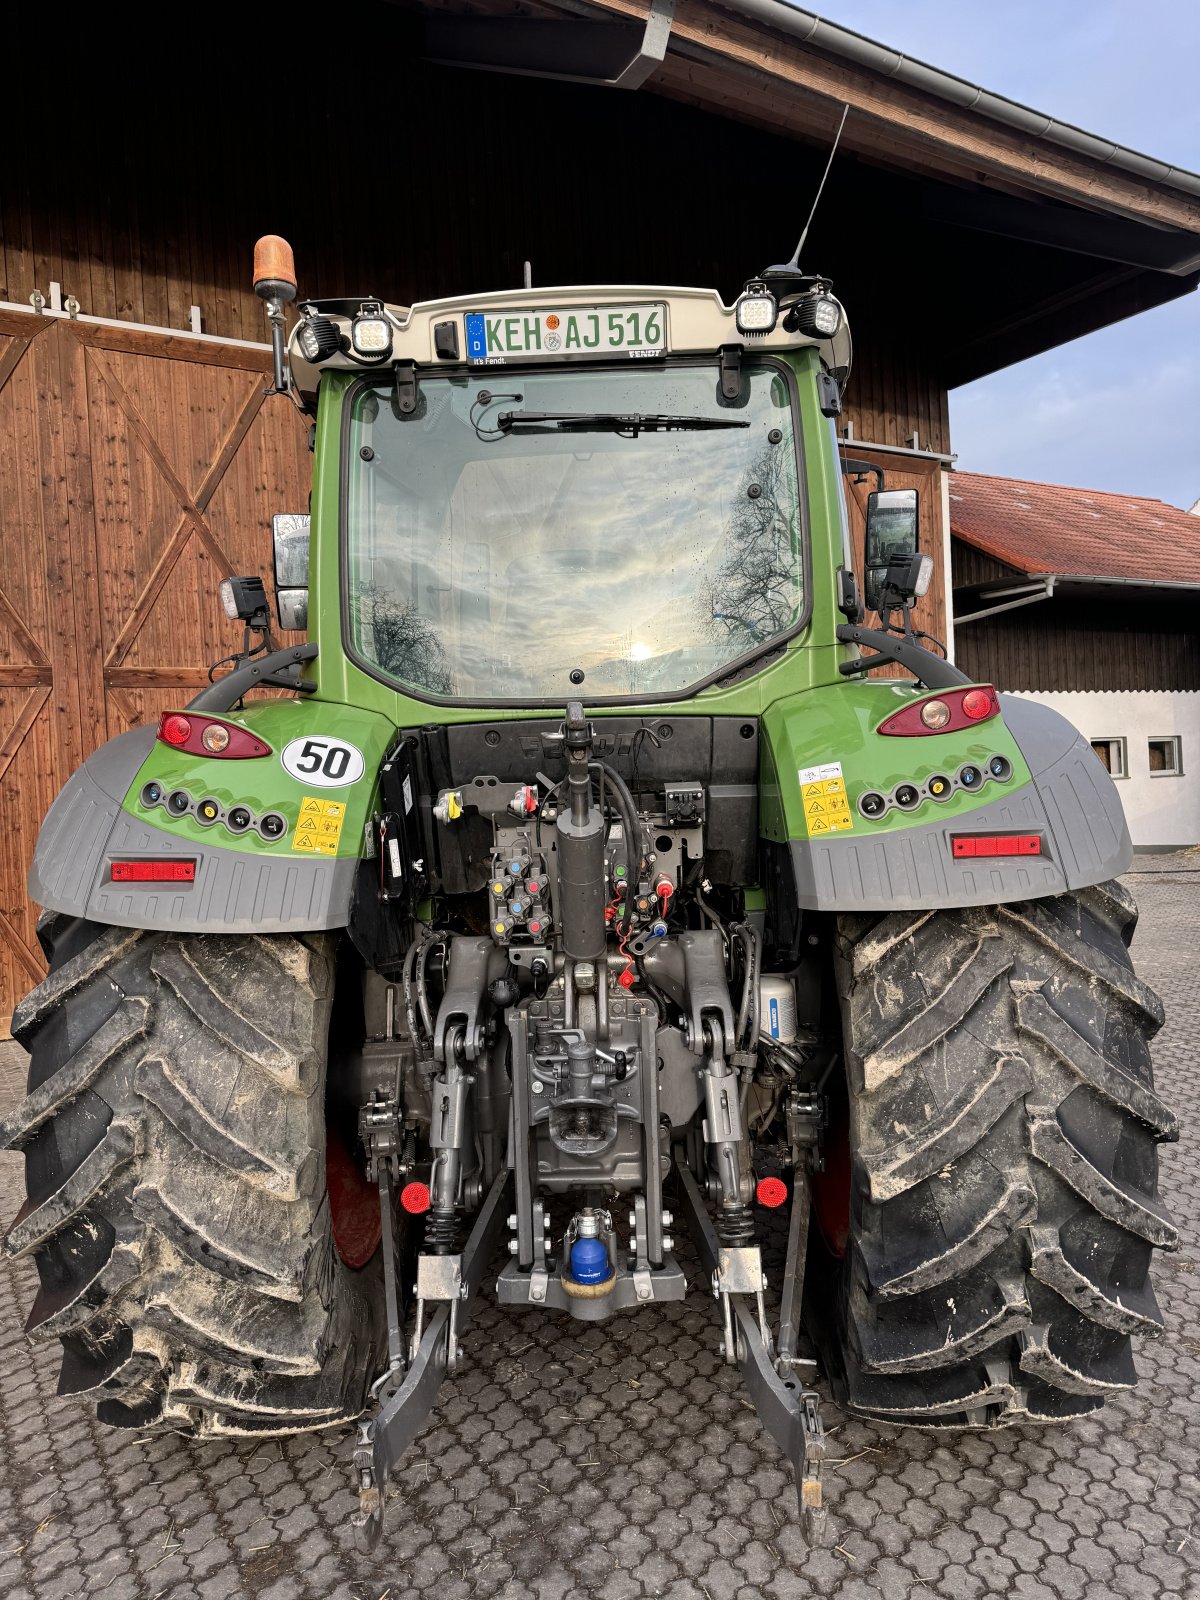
(823, 794)
(319, 825)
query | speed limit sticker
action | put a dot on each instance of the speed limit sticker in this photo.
(325, 763)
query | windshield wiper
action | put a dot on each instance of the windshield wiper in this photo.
(632, 423)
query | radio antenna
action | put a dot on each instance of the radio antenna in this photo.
(795, 261)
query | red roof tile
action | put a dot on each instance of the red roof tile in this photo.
(1084, 533)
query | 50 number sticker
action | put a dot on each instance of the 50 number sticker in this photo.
(327, 763)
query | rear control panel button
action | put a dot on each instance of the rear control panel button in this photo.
(208, 811)
(940, 787)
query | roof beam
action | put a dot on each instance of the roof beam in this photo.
(1029, 163)
(1065, 228)
(1096, 302)
(618, 55)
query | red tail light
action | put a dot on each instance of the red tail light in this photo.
(995, 844)
(209, 736)
(153, 872)
(946, 712)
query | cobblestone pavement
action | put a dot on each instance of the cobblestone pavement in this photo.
(625, 1462)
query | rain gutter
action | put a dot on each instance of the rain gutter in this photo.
(809, 29)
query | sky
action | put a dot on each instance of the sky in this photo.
(1118, 409)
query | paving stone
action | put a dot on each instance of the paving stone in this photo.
(574, 1463)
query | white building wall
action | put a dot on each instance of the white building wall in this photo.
(1163, 811)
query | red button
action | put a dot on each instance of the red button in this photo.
(771, 1192)
(414, 1197)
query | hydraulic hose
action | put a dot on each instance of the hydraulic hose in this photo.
(413, 976)
(746, 1032)
(633, 837)
(713, 918)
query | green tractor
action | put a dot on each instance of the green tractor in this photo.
(583, 870)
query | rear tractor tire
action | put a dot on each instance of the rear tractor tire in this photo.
(174, 1139)
(1003, 1129)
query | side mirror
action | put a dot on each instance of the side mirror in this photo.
(289, 533)
(892, 524)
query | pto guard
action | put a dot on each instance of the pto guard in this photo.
(1068, 798)
(242, 884)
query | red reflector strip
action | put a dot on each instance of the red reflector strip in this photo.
(414, 1197)
(996, 844)
(153, 872)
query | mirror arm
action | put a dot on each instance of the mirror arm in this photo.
(931, 670)
(852, 467)
(280, 669)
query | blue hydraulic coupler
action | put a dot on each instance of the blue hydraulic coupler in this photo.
(589, 1261)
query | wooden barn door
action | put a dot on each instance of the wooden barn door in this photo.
(136, 470)
(905, 472)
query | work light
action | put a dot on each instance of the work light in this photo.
(909, 575)
(243, 598)
(755, 309)
(816, 314)
(371, 333)
(318, 338)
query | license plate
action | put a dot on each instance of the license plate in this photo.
(494, 337)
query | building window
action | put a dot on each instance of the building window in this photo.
(1113, 755)
(1166, 757)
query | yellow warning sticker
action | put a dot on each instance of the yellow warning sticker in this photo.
(823, 794)
(319, 826)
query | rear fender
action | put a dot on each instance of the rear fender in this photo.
(1057, 789)
(245, 882)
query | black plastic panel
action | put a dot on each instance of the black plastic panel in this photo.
(721, 750)
(720, 753)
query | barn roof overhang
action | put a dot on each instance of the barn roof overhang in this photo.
(975, 601)
(1033, 232)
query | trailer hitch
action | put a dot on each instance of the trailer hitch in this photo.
(407, 1394)
(790, 1412)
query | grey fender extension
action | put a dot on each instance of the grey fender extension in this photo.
(235, 891)
(1070, 800)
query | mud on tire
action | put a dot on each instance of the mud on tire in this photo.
(174, 1139)
(1003, 1132)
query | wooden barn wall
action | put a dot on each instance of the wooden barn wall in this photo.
(445, 185)
(969, 565)
(136, 471)
(1063, 644)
